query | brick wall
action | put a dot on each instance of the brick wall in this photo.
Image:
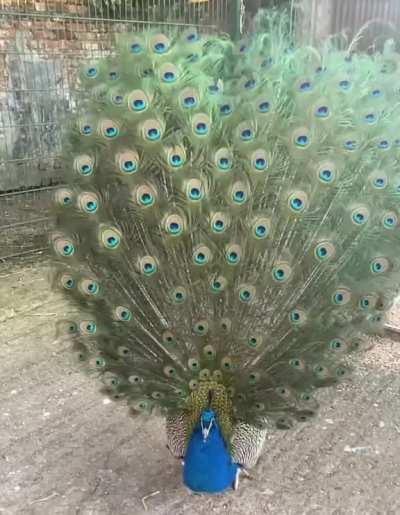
(41, 44)
(40, 48)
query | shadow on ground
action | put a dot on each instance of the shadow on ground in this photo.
(65, 450)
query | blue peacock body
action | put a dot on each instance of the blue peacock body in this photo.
(229, 231)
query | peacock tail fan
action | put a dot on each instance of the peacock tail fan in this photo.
(230, 221)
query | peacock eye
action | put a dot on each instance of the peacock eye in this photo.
(344, 85)
(370, 118)
(136, 48)
(250, 84)
(239, 196)
(225, 109)
(302, 140)
(153, 134)
(246, 135)
(322, 112)
(192, 37)
(213, 89)
(305, 86)
(92, 72)
(189, 101)
(169, 77)
(326, 175)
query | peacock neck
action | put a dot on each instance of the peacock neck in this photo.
(208, 465)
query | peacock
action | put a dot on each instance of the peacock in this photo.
(228, 231)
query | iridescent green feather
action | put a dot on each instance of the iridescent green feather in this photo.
(231, 216)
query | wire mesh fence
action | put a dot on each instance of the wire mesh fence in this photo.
(368, 23)
(42, 42)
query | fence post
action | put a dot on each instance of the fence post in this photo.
(237, 19)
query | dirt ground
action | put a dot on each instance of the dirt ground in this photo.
(65, 450)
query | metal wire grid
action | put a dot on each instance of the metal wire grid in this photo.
(211, 13)
(41, 45)
(369, 21)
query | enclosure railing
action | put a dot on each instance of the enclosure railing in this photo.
(43, 41)
(41, 44)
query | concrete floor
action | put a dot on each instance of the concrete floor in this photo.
(65, 450)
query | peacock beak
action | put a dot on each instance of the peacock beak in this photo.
(207, 420)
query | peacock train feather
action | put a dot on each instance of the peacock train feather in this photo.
(229, 229)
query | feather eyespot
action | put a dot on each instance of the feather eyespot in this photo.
(379, 265)
(209, 351)
(326, 173)
(379, 181)
(390, 220)
(254, 342)
(189, 102)
(297, 317)
(176, 160)
(108, 129)
(298, 201)
(195, 190)
(360, 216)
(350, 145)
(233, 254)
(246, 135)
(179, 295)
(341, 297)
(254, 378)
(64, 197)
(110, 238)
(281, 272)
(305, 86)
(88, 327)
(89, 287)
(226, 364)
(202, 255)
(337, 344)
(345, 85)
(159, 44)
(260, 228)
(123, 314)
(218, 284)
(383, 144)
(219, 222)
(99, 362)
(92, 72)
(259, 161)
(370, 118)
(376, 93)
(297, 364)
(67, 282)
(322, 112)
(223, 160)
(225, 109)
(127, 162)
(264, 107)
(247, 294)
(174, 225)
(148, 266)
(64, 247)
(170, 371)
(113, 75)
(324, 251)
(194, 364)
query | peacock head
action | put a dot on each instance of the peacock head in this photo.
(207, 422)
